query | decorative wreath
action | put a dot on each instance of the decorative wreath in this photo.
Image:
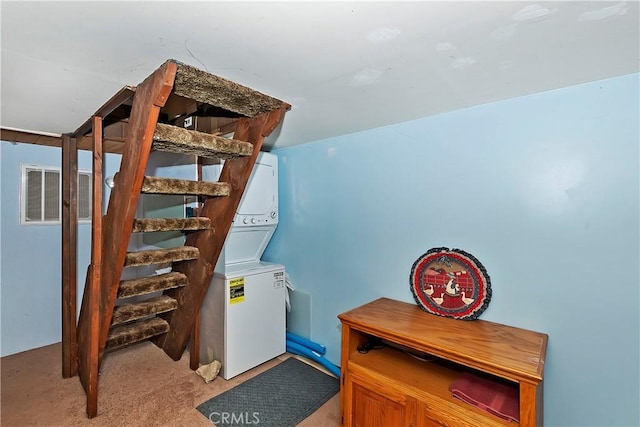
(451, 283)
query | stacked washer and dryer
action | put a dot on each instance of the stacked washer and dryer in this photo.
(243, 320)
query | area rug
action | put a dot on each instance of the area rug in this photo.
(283, 396)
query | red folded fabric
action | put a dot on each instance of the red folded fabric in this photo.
(494, 397)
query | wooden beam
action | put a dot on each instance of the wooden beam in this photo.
(69, 256)
(31, 137)
(123, 95)
(111, 144)
(221, 211)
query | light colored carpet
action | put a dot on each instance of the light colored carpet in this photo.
(139, 386)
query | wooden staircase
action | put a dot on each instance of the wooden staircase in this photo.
(162, 307)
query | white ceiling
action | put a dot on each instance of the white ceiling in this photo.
(344, 67)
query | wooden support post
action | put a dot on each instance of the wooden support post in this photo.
(69, 256)
(531, 404)
(96, 261)
(194, 346)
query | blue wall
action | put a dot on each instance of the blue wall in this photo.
(542, 189)
(30, 289)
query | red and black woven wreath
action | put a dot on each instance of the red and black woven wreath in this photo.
(450, 283)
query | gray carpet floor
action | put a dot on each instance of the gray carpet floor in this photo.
(283, 396)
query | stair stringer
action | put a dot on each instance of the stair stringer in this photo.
(150, 96)
(221, 212)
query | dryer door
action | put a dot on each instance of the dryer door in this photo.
(259, 204)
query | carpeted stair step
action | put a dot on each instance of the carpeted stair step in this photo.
(138, 310)
(147, 285)
(175, 139)
(156, 185)
(201, 86)
(160, 256)
(146, 225)
(130, 333)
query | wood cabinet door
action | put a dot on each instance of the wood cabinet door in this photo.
(375, 406)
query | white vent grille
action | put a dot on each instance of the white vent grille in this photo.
(41, 195)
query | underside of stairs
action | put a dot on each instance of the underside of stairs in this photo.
(162, 306)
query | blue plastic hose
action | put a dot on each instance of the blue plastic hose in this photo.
(295, 348)
(318, 348)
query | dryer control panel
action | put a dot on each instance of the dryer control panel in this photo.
(257, 220)
(259, 203)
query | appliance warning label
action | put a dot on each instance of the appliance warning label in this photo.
(236, 290)
(278, 279)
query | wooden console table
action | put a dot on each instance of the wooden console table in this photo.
(390, 386)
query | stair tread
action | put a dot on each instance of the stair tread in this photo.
(146, 285)
(130, 333)
(202, 86)
(157, 185)
(157, 256)
(175, 139)
(140, 309)
(146, 225)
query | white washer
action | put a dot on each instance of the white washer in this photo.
(243, 317)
